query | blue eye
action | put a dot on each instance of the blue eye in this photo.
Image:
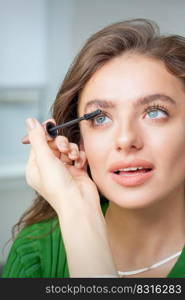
(100, 120)
(158, 113)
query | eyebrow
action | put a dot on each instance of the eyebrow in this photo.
(101, 103)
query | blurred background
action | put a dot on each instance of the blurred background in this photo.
(38, 41)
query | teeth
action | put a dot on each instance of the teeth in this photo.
(131, 169)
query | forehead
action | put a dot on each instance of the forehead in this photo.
(128, 77)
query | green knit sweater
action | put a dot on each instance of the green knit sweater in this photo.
(38, 251)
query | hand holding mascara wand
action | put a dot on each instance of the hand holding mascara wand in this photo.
(61, 178)
(52, 130)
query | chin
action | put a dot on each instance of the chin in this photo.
(132, 202)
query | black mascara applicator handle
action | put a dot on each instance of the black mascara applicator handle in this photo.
(52, 130)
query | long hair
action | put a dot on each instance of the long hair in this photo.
(140, 36)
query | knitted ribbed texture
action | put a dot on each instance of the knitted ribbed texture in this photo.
(38, 251)
(35, 253)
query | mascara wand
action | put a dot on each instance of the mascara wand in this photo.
(52, 130)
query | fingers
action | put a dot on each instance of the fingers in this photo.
(25, 139)
(38, 141)
(70, 152)
(67, 152)
(31, 166)
(81, 163)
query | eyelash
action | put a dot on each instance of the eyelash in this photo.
(146, 110)
(157, 107)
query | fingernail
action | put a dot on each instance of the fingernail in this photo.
(30, 123)
(25, 140)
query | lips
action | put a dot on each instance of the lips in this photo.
(132, 177)
(134, 163)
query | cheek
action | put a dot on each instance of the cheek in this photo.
(96, 152)
(94, 149)
(176, 155)
(169, 147)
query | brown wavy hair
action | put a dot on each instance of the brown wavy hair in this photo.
(139, 36)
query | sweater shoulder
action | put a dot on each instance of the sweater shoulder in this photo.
(32, 252)
(39, 229)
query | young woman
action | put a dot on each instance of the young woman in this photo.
(111, 189)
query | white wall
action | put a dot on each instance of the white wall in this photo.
(23, 42)
(91, 16)
(60, 15)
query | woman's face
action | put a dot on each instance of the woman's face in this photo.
(142, 125)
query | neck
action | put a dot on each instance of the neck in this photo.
(140, 237)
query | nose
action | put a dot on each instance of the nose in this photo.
(128, 136)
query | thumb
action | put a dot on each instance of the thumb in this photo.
(38, 141)
(25, 139)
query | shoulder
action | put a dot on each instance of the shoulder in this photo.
(31, 237)
(39, 251)
(35, 251)
(37, 229)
